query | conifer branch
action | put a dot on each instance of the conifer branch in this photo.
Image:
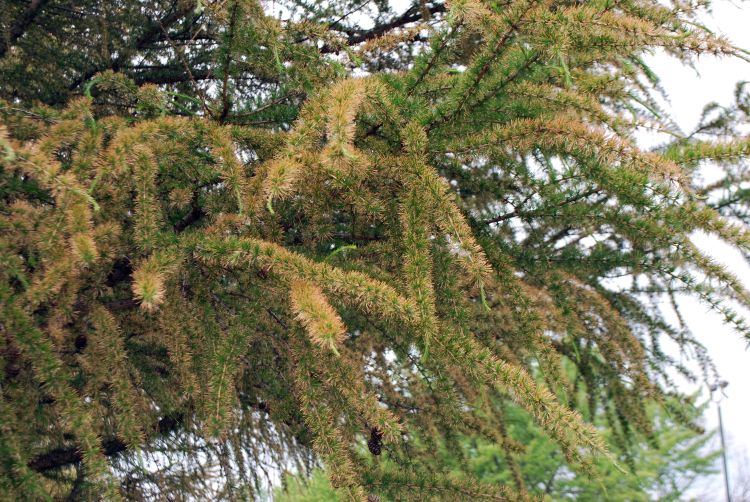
(172, 284)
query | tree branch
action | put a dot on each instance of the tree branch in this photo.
(356, 36)
(61, 457)
(18, 28)
(541, 211)
(150, 34)
(412, 14)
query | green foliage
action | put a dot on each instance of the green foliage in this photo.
(662, 471)
(176, 178)
(316, 488)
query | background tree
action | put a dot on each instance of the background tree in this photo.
(666, 471)
(240, 238)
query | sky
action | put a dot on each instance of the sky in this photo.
(714, 79)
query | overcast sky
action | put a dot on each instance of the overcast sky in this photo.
(689, 91)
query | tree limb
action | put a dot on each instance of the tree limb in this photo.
(61, 457)
(18, 28)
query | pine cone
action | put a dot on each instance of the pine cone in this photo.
(375, 444)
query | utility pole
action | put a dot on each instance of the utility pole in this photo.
(720, 386)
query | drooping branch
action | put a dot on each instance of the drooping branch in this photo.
(65, 456)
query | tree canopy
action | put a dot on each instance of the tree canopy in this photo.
(242, 237)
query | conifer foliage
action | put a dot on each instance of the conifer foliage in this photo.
(243, 237)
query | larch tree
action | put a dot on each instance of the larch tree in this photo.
(244, 237)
